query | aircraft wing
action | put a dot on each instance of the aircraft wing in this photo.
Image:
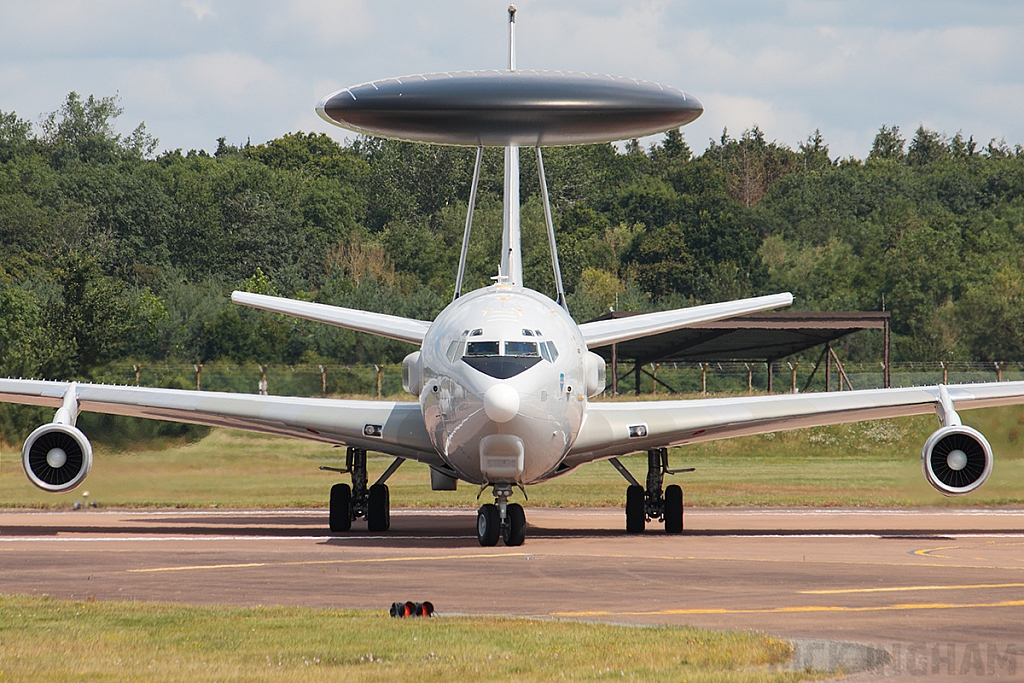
(604, 332)
(389, 427)
(391, 326)
(618, 428)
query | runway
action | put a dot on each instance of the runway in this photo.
(899, 579)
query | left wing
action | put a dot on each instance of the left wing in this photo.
(389, 427)
(617, 428)
(603, 332)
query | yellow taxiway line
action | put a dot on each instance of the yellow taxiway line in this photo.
(799, 609)
(898, 589)
(243, 565)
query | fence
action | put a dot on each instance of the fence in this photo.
(686, 378)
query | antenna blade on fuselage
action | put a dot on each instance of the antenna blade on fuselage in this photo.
(604, 332)
(381, 324)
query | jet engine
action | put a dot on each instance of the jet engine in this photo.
(57, 457)
(956, 460)
(594, 370)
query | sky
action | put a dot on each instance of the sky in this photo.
(198, 70)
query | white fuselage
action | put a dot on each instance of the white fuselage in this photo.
(503, 392)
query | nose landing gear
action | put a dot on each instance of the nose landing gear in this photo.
(501, 519)
(647, 504)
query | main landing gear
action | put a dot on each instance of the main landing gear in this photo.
(349, 503)
(647, 504)
(501, 519)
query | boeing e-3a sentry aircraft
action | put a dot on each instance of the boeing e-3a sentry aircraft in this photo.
(504, 374)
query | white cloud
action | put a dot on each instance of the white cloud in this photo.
(199, 69)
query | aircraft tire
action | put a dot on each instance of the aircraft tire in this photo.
(341, 507)
(488, 525)
(378, 508)
(636, 515)
(673, 509)
(515, 529)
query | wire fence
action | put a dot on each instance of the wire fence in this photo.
(662, 378)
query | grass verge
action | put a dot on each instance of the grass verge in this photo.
(60, 640)
(871, 464)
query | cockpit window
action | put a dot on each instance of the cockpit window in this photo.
(453, 351)
(477, 332)
(477, 349)
(521, 348)
(552, 354)
(527, 333)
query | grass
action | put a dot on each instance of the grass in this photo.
(60, 640)
(874, 464)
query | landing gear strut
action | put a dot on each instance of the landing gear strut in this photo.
(645, 504)
(349, 503)
(501, 519)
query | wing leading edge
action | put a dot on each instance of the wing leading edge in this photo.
(655, 424)
(389, 427)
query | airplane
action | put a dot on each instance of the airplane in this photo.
(504, 376)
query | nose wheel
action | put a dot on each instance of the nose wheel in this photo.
(501, 520)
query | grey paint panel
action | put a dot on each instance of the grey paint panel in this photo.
(499, 108)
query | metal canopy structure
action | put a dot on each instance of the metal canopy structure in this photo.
(762, 337)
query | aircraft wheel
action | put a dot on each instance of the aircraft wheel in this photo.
(673, 509)
(636, 515)
(488, 525)
(341, 507)
(378, 508)
(515, 528)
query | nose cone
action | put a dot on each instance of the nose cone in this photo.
(501, 403)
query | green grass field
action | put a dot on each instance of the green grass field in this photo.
(58, 640)
(873, 464)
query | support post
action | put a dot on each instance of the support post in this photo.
(636, 371)
(555, 268)
(945, 372)
(615, 369)
(885, 351)
(323, 381)
(750, 378)
(771, 368)
(792, 376)
(469, 222)
(703, 379)
(828, 367)
(199, 375)
(138, 371)
(999, 371)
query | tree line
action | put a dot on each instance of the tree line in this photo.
(112, 252)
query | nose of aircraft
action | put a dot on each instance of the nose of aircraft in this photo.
(501, 403)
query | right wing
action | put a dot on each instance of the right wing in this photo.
(389, 427)
(604, 332)
(615, 428)
(391, 326)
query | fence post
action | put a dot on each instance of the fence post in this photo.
(703, 379)
(379, 370)
(792, 376)
(750, 378)
(263, 380)
(945, 372)
(323, 381)
(138, 370)
(199, 375)
(999, 371)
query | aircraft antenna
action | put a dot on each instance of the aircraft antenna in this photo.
(469, 222)
(559, 289)
(511, 248)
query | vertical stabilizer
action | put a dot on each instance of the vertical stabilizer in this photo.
(511, 251)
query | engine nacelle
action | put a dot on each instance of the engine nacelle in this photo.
(57, 457)
(594, 367)
(956, 460)
(412, 374)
